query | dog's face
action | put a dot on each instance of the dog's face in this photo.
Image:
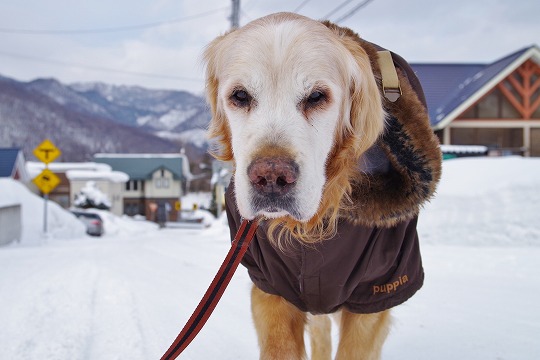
(282, 91)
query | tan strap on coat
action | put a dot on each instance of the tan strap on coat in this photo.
(390, 81)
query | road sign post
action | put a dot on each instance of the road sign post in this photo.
(46, 181)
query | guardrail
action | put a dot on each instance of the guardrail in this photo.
(10, 224)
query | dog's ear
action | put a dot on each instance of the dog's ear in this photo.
(219, 127)
(367, 115)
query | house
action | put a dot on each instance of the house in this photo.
(156, 182)
(62, 194)
(110, 183)
(12, 164)
(495, 105)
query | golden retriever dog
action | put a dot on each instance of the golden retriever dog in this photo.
(335, 171)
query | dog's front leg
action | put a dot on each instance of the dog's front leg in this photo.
(279, 325)
(362, 335)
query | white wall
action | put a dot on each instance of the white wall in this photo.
(162, 186)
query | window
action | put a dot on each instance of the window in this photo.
(165, 183)
(162, 182)
(133, 185)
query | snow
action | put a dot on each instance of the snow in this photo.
(197, 137)
(127, 295)
(60, 223)
(485, 202)
(464, 149)
(198, 199)
(169, 120)
(475, 176)
(34, 167)
(146, 156)
(124, 225)
(90, 195)
(113, 176)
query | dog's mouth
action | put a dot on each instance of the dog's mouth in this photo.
(275, 206)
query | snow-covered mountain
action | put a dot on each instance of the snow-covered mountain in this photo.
(86, 118)
(157, 110)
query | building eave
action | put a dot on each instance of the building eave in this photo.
(533, 53)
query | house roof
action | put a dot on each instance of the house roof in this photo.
(142, 166)
(451, 88)
(8, 160)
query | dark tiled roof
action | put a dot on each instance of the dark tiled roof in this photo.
(447, 86)
(142, 168)
(8, 158)
(439, 81)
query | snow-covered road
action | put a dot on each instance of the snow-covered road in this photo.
(128, 298)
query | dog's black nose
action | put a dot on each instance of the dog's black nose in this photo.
(273, 176)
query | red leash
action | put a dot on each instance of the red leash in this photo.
(212, 296)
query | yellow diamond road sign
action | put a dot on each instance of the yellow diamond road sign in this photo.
(47, 152)
(46, 181)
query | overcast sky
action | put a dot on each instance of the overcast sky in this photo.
(164, 38)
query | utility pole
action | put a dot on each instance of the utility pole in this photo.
(235, 14)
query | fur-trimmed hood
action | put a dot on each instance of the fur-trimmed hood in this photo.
(401, 171)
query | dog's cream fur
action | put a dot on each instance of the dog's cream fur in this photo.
(278, 62)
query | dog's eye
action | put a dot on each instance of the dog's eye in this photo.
(240, 98)
(317, 100)
(315, 97)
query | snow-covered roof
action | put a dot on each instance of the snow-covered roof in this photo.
(136, 156)
(142, 166)
(113, 176)
(35, 167)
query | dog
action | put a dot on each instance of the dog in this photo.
(335, 171)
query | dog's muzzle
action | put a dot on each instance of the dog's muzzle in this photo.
(273, 181)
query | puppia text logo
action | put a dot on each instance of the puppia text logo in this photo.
(390, 287)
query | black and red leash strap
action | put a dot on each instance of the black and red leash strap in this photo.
(212, 296)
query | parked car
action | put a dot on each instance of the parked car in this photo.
(93, 222)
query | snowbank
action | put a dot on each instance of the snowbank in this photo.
(485, 202)
(61, 223)
(123, 225)
(487, 175)
(201, 199)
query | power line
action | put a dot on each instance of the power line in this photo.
(96, 68)
(339, 7)
(111, 29)
(301, 5)
(353, 11)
